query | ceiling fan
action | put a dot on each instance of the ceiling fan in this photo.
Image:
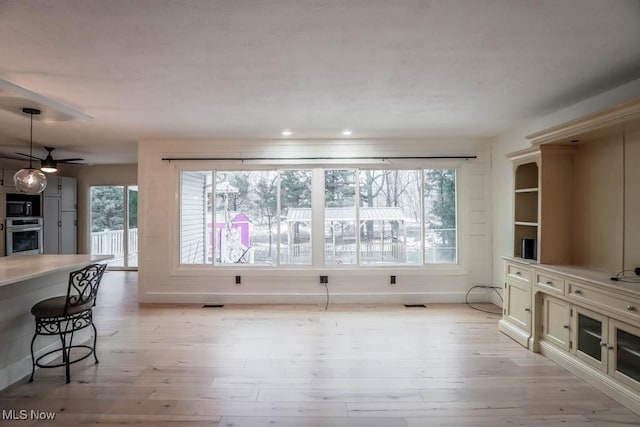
(49, 164)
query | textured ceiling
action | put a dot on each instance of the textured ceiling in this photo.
(247, 69)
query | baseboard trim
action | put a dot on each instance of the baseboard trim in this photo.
(603, 382)
(318, 297)
(516, 334)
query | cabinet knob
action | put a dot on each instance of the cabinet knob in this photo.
(610, 347)
(565, 326)
(527, 309)
(603, 344)
(577, 292)
(631, 308)
(518, 273)
(549, 282)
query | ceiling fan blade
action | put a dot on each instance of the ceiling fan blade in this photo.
(68, 160)
(9, 156)
(28, 156)
(76, 164)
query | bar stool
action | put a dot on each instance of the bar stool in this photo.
(65, 315)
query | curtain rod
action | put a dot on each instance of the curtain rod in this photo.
(320, 158)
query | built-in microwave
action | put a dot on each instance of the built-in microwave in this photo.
(19, 208)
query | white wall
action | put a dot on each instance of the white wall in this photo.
(501, 168)
(161, 279)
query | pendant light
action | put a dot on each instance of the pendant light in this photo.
(30, 181)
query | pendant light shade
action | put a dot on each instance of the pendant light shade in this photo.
(30, 180)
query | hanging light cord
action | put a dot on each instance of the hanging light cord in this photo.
(31, 142)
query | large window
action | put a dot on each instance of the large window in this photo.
(440, 225)
(246, 217)
(340, 217)
(389, 216)
(371, 217)
(295, 216)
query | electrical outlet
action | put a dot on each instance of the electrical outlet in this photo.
(392, 280)
(238, 280)
(324, 279)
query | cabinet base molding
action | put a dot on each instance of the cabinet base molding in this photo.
(603, 382)
(517, 334)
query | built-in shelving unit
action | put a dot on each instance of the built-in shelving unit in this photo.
(575, 192)
(526, 212)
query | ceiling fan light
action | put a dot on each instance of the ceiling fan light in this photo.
(30, 181)
(48, 166)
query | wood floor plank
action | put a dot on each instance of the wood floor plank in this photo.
(297, 366)
(312, 422)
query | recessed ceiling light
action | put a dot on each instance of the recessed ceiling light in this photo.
(346, 132)
(286, 132)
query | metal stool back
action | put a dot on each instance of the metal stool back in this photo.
(65, 315)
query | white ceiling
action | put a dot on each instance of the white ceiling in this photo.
(247, 69)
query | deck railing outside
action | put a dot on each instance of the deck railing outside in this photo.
(111, 242)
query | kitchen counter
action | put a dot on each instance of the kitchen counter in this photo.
(24, 267)
(24, 281)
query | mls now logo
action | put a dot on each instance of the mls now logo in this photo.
(23, 414)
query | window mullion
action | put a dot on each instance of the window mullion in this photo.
(317, 218)
(357, 199)
(278, 216)
(423, 248)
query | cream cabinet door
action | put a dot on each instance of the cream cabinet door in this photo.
(556, 322)
(590, 334)
(518, 305)
(624, 353)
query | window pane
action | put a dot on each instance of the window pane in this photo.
(340, 216)
(440, 216)
(195, 214)
(295, 216)
(246, 217)
(389, 216)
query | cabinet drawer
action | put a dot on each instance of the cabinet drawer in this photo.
(615, 304)
(550, 283)
(518, 272)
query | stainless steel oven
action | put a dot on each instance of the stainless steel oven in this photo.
(24, 236)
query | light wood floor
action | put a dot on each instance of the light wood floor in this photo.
(364, 366)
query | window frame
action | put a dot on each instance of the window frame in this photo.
(318, 260)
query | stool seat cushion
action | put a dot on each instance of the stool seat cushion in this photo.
(54, 307)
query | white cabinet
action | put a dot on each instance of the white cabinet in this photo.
(610, 345)
(556, 324)
(7, 180)
(590, 337)
(589, 324)
(518, 305)
(624, 353)
(60, 216)
(516, 318)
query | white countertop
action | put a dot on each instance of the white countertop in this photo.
(23, 267)
(600, 278)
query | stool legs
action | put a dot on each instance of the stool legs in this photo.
(33, 357)
(64, 328)
(95, 341)
(65, 356)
